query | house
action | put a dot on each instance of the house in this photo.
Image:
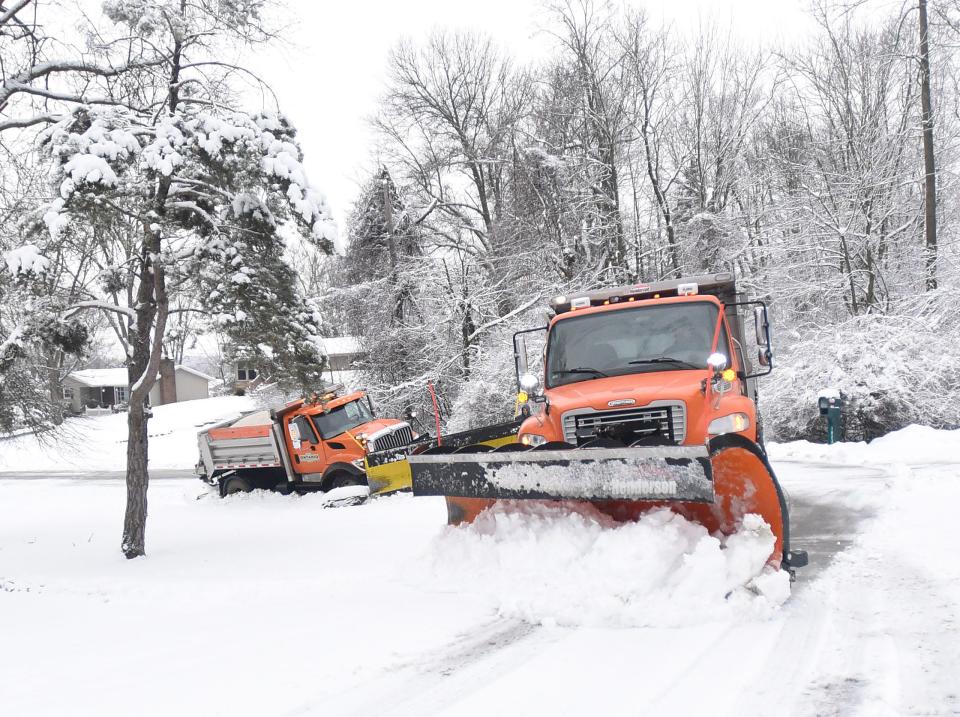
(342, 354)
(246, 377)
(105, 387)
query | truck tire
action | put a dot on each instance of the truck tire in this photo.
(341, 479)
(236, 484)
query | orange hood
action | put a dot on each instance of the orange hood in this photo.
(642, 388)
(377, 424)
(597, 393)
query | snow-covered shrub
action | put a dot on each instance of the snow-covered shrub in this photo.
(893, 370)
(489, 395)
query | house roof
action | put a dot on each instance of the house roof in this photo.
(100, 377)
(194, 372)
(107, 377)
(340, 345)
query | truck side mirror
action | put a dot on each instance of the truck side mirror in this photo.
(761, 327)
(520, 357)
(529, 382)
(717, 361)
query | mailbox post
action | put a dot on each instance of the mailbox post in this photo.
(831, 406)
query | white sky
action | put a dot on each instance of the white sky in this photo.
(329, 79)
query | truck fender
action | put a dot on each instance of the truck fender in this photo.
(340, 467)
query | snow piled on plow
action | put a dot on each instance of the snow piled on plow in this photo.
(557, 565)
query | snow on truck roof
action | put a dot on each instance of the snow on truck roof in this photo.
(720, 285)
(107, 377)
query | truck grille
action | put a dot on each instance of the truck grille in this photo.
(663, 415)
(392, 437)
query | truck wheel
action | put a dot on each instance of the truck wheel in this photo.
(237, 485)
(343, 479)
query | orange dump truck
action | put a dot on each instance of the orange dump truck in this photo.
(646, 398)
(306, 445)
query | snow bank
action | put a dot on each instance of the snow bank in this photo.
(99, 443)
(913, 445)
(549, 566)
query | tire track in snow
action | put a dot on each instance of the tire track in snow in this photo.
(878, 633)
(438, 679)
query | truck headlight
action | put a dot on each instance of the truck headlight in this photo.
(359, 463)
(734, 423)
(532, 439)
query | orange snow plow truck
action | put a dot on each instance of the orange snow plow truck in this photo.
(645, 398)
(308, 445)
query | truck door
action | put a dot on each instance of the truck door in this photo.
(306, 450)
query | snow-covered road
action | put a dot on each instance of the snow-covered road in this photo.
(265, 604)
(90, 476)
(509, 666)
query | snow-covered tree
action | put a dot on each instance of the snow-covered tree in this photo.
(182, 197)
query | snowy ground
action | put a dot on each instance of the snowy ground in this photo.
(99, 443)
(265, 604)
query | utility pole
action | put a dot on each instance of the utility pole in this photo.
(930, 170)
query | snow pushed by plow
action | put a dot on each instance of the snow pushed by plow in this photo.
(552, 565)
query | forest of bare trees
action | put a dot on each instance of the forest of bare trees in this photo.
(822, 172)
(636, 152)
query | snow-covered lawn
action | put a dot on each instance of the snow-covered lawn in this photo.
(99, 443)
(262, 604)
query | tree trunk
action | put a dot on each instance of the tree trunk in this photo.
(135, 518)
(153, 307)
(56, 390)
(930, 170)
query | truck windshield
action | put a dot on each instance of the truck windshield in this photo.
(342, 418)
(668, 337)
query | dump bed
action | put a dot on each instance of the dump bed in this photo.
(246, 442)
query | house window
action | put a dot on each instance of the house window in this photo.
(120, 393)
(67, 393)
(246, 373)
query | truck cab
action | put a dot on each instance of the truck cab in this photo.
(645, 400)
(318, 443)
(657, 364)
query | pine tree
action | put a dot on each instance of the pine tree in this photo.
(181, 197)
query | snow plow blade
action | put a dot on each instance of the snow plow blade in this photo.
(388, 470)
(714, 485)
(654, 473)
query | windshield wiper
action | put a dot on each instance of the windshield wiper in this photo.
(664, 359)
(581, 369)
